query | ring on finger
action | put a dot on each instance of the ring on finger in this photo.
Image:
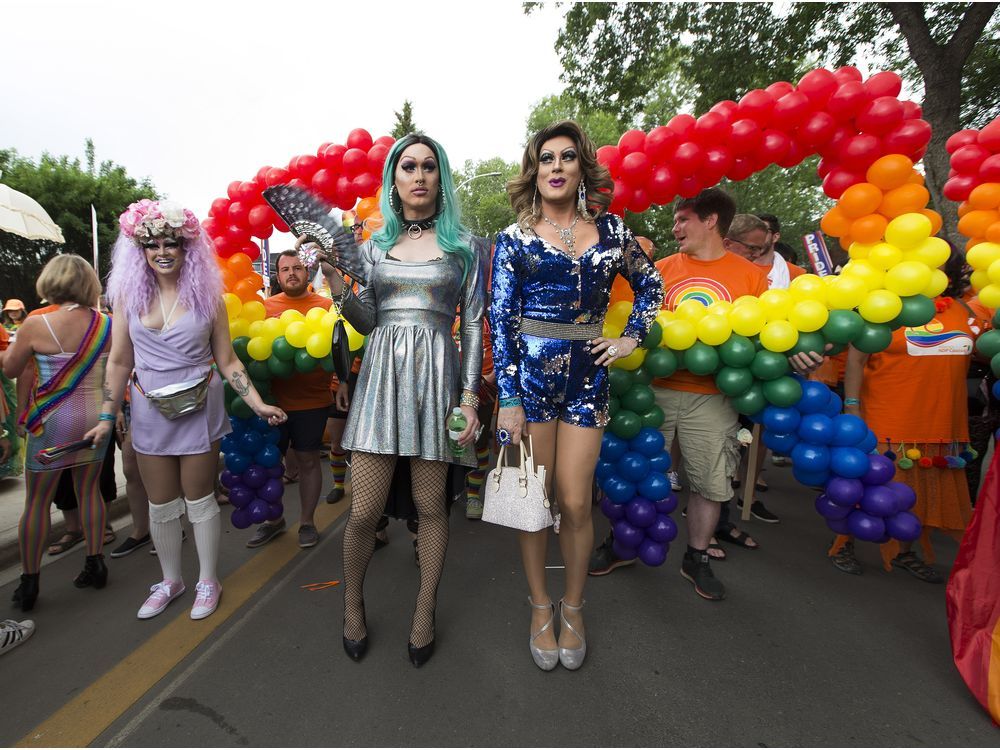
(503, 436)
(612, 351)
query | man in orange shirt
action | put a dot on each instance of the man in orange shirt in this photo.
(306, 399)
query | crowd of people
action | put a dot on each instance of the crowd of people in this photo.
(525, 349)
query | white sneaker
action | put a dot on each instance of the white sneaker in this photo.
(14, 633)
(207, 599)
(780, 461)
(474, 508)
(161, 595)
(675, 481)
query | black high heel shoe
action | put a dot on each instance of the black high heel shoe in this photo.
(27, 592)
(94, 573)
(420, 655)
(357, 649)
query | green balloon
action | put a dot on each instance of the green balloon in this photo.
(784, 391)
(625, 424)
(737, 351)
(734, 381)
(874, 337)
(283, 350)
(701, 359)
(661, 363)
(614, 404)
(258, 371)
(843, 326)
(240, 347)
(327, 363)
(263, 387)
(653, 418)
(240, 408)
(619, 380)
(641, 375)
(769, 365)
(752, 401)
(836, 349)
(654, 337)
(755, 340)
(996, 319)
(918, 310)
(227, 392)
(988, 344)
(304, 361)
(995, 365)
(639, 398)
(812, 341)
(280, 368)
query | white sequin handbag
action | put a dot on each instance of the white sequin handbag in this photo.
(514, 496)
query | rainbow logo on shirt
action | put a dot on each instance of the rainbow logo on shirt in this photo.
(934, 339)
(705, 291)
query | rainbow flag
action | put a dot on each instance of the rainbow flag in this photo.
(59, 386)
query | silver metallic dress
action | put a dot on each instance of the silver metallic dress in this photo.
(412, 375)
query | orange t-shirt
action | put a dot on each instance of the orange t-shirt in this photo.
(302, 390)
(914, 391)
(832, 370)
(726, 278)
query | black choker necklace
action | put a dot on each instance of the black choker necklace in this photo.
(414, 229)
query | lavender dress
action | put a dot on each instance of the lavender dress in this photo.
(182, 352)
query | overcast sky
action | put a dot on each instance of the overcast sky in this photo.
(197, 94)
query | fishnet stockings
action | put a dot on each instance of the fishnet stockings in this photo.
(372, 476)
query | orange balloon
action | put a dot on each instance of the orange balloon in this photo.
(860, 200)
(985, 196)
(835, 223)
(374, 222)
(366, 207)
(869, 229)
(936, 221)
(240, 265)
(993, 232)
(963, 208)
(229, 279)
(246, 288)
(365, 234)
(845, 242)
(975, 223)
(890, 172)
(916, 178)
(907, 199)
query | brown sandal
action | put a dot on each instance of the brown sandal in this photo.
(66, 542)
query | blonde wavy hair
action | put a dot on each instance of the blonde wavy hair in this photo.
(522, 189)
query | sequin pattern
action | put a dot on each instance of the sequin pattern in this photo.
(533, 279)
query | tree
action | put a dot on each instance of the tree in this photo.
(66, 190)
(404, 121)
(483, 196)
(603, 127)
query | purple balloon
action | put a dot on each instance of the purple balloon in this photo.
(880, 470)
(879, 501)
(830, 510)
(628, 534)
(241, 496)
(652, 553)
(667, 504)
(275, 511)
(663, 530)
(258, 510)
(277, 471)
(838, 526)
(845, 492)
(904, 526)
(272, 491)
(240, 518)
(906, 498)
(641, 513)
(228, 479)
(255, 476)
(865, 527)
(613, 511)
(622, 552)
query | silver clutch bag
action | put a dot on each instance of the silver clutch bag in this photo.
(514, 496)
(178, 399)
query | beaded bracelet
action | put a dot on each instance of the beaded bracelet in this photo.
(507, 403)
(469, 399)
(105, 417)
(852, 402)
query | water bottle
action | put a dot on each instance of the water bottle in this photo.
(456, 426)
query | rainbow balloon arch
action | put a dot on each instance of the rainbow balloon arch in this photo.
(869, 141)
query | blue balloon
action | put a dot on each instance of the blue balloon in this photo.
(613, 511)
(816, 429)
(618, 490)
(604, 470)
(633, 466)
(660, 462)
(781, 420)
(654, 486)
(811, 478)
(240, 425)
(780, 444)
(237, 463)
(612, 447)
(869, 443)
(811, 457)
(272, 436)
(268, 456)
(830, 510)
(663, 530)
(648, 442)
(228, 444)
(250, 442)
(848, 430)
(848, 462)
(640, 512)
(835, 406)
(258, 424)
(996, 394)
(756, 418)
(815, 397)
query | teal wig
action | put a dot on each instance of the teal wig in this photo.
(452, 237)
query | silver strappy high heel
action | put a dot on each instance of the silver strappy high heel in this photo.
(545, 658)
(571, 658)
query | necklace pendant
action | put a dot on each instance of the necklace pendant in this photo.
(414, 232)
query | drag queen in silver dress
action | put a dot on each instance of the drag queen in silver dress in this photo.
(420, 268)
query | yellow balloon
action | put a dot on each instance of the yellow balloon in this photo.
(255, 329)
(846, 292)
(884, 256)
(609, 331)
(808, 286)
(272, 328)
(297, 334)
(932, 252)
(618, 313)
(776, 304)
(318, 345)
(356, 340)
(779, 336)
(315, 315)
(238, 327)
(808, 315)
(989, 295)
(691, 310)
(680, 334)
(857, 251)
(747, 320)
(937, 285)
(746, 299)
(982, 256)
(908, 231)
(252, 311)
(259, 348)
(632, 361)
(234, 305)
(291, 316)
(873, 277)
(663, 316)
(720, 307)
(328, 322)
(908, 278)
(880, 306)
(979, 279)
(994, 272)
(714, 329)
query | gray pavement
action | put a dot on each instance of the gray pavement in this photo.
(798, 654)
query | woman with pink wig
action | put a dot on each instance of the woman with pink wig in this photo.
(169, 328)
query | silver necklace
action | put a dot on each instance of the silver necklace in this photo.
(565, 234)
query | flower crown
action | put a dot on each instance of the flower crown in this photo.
(146, 219)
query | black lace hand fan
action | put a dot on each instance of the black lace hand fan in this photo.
(306, 215)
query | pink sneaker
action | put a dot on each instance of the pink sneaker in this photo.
(162, 594)
(207, 599)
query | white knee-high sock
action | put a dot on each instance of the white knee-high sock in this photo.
(204, 517)
(165, 529)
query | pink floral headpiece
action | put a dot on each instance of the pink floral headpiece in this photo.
(146, 219)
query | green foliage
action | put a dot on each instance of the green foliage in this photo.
(485, 206)
(66, 190)
(603, 127)
(404, 121)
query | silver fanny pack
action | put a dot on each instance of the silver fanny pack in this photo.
(178, 399)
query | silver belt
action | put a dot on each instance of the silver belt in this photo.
(565, 331)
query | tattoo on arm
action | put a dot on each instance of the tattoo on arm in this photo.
(240, 382)
(107, 392)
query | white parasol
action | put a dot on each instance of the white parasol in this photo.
(23, 216)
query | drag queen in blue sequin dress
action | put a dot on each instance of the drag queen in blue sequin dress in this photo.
(552, 276)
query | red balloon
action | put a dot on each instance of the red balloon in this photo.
(880, 116)
(847, 101)
(611, 158)
(220, 208)
(817, 130)
(298, 182)
(640, 200)
(332, 157)
(262, 175)
(263, 233)
(636, 167)
(385, 140)
(280, 225)
(622, 193)
(355, 162)
(238, 213)
(344, 195)
(305, 167)
(968, 158)
(660, 144)
(223, 246)
(958, 188)
(819, 85)
(847, 73)
(794, 156)
(744, 137)
(989, 170)
(324, 183)
(376, 157)
(727, 108)
(359, 138)
(912, 111)
(718, 161)
(689, 187)
(688, 158)
(989, 137)
(858, 152)
(365, 185)
(233, 190)
(212, 226)
(631, 141)
(824, 167)
(251, 250)
(756, 105)
(907, 137)
(778, 89)
(961, 138)
(791, 110)
(276, 176)
(682, 125)
(886, 83)
(830, 149)
(662, 185)
(249, 192)
(322, 147)
(839, 179)
(261, 216)
(238, 235)
(774, 147)
(742, 168)
(710, 128)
